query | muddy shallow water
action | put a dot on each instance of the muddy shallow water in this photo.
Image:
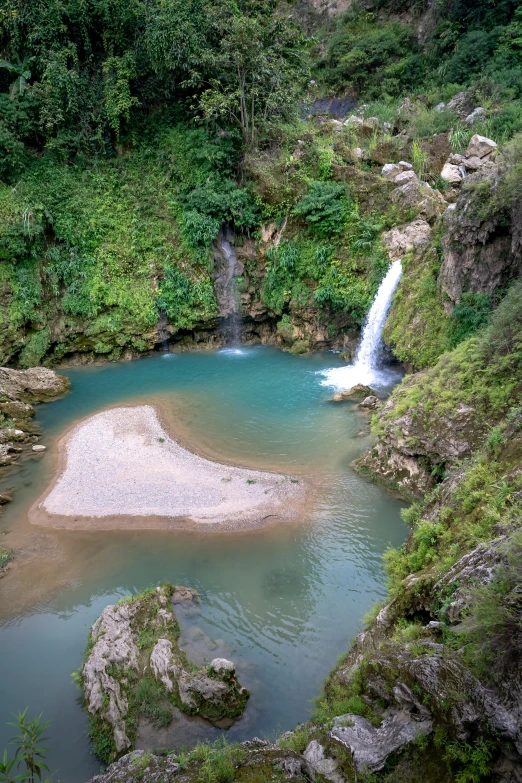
(282, 601)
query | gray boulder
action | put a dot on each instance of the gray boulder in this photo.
(315, 756)
(414, 236)
(369, 746)
(462, 104)
(37, 384)
(452, 174)
(477, 114)
(480, 147)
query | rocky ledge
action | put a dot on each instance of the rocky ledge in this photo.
(19, 390)
(135, 671)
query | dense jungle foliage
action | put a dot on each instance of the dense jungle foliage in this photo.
(130, 133)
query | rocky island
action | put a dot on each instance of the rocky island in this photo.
(135, 670)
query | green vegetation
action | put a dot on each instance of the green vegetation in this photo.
(467, 45)
(6, 555)
(29, 754)
(491, 632)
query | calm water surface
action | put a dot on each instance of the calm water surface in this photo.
(282, 602)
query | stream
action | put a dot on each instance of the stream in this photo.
(282, 602)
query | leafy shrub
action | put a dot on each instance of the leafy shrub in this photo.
(199, 229)
(325, 208)
(471, 313)
(473, 50)
(492, 629)
(470, 762)
(375, 57)
(183, 299)
(218, 202)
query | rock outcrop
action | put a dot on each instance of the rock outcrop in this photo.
(412, 444)
(133, 645)
(482, 246)
(414, 236)
(255, 760)
(19, 390)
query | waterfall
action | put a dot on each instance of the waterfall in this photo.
(230, 290)
(163, 334)
(366, 366)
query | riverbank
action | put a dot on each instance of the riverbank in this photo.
(120, 469)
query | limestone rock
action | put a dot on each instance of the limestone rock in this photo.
(477, 114)
(413, 236)
(480, 147)
(354, 121)
(114, 646)
(409, 448)
(370, 746)
(140, 766)
(461, 104)
(214, 693)
(315, 756)
(163, 664)
(406, 176)
(370, 403)
(470, 164)
(391, 170)
(474, 568)
(417, 195)
(222, 667)
(357, 392)
(37, 384)
(138, 638)
(480, 255)
(451, 174)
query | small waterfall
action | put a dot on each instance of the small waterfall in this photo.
(366, 366)
(162, 331)
(230, 290)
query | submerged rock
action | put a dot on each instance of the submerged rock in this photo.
(136, 669)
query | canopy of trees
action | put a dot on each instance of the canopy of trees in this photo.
(76, 76)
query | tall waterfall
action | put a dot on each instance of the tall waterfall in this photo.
(230, 290)
(366, 366)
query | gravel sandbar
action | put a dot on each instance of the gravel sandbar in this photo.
(120, 469)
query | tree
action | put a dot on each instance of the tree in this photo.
(256, 63)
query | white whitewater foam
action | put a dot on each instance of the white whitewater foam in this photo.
(365, 368)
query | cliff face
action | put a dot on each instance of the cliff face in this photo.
(482, 244)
